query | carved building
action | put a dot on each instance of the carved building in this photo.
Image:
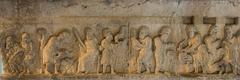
(135, 38)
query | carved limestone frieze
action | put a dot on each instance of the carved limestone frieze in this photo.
(116, 46)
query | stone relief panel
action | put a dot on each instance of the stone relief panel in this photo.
(169, 46)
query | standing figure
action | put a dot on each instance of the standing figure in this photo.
(135, 48)
(10, 65)
(236, 58)
(231, 56)
(89, 60)
(27, 45)
(121, 50)
(62, 51)
(48, 52)
(145, 55)
(216, 52)
(42, 42)
(107, 51)
(194, 47)
(164, 52)
(7, 52)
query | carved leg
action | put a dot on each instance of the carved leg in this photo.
(57, 68)
(148, 67)
(139, 66)
(195, 68)
(157, 69)
(79, 67)
(130, 63)
(42, 69)
(28, 70)
(46, 69)
(98, 67)
(235, 70)
(104, 68)
(112, 70)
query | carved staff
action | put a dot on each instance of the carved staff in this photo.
(76, 34)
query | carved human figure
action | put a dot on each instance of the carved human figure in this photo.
(7, 52)
(160, 48)
(216, 52)
(57, 51)
(121, 49)
(164, 51)
(16, 63)
(11, 47)
(42, 32)
(89, 60)
(200, 57)
(135, 48)
(195, 48)
(61, 54)
(61, 51)
(145, 55)
(231, 45)
(236, 58)
(48, 54)
(107, 51)
(27, 45)
(121, 36)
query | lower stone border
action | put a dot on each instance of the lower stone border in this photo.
(123, 77)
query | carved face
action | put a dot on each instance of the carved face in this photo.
(25, 40)
(42, 32)
(191, 32)
(229, 33)
(144, 31)
(90, 35)
(213, 32)
(164, 37)
(63, 36)
(9, 42)
(106, 32)
(109, 36)
(165, 33)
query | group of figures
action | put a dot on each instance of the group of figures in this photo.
(65, 52)
(16, 56)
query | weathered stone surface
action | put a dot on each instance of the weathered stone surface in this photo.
(119, 39)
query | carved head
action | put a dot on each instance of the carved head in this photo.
(107, 34)
(213, 31)
(144, 32)
(65, 34)
(191, 31)
(198, 38)
(229, 33)
(89, 33)
(9, 42)
(41, 31)
(165, 33)
(25, 40)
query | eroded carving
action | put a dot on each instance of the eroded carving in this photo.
(89, 59)
(123, 49)
(107, 51)
(145, 56)
(165, 52)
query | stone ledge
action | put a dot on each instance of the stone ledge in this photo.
(123, 77)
